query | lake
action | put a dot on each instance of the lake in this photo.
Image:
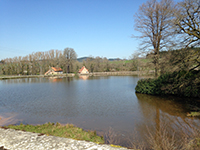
(107, 104)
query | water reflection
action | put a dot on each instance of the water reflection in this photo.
(163, 104)
(164, 114)
(9, 118)
(84, 77)
(24, 80)
(55, 79)
(98, 103)
(36, 80)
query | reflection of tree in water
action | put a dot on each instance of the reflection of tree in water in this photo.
(67, 79)
(8, 119)
(164, 116)
(115, 137)
(25, 80)
(37, 80)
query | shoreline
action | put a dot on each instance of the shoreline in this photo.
(17, 139)
(119, 73)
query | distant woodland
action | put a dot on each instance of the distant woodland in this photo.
(40, 62)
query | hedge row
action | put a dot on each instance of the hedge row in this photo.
(180, 83)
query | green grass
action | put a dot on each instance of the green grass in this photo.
(194, 114)
(121, 62)
(145, 60)
(67, 131)
(130, 61)
(116, 62)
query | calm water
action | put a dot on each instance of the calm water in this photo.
(108, 105)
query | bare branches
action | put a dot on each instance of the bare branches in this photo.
(188, 21)
(153, 21)
(69, 55)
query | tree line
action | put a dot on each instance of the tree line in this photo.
(40, 62)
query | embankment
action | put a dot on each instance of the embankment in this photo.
(119, 73)
(13, 139)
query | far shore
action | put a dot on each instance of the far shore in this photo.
(119, 73)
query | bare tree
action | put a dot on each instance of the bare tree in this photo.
(69, 56)
(106, 65)
(90, 63)
(187, 21)
(187, 24)
(97, 63)
(153, 21)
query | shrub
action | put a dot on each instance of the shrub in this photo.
(180, 83)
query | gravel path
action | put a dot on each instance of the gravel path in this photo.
(19, 140)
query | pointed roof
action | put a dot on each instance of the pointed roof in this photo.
(56, 69)
(80, 70)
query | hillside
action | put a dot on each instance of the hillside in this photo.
(81, 59)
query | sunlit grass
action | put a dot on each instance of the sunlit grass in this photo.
(66, 131)
(194, 114)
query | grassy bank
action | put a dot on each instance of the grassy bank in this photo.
(66, 131)
(165, 140)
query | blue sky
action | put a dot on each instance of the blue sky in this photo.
(92, 27)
